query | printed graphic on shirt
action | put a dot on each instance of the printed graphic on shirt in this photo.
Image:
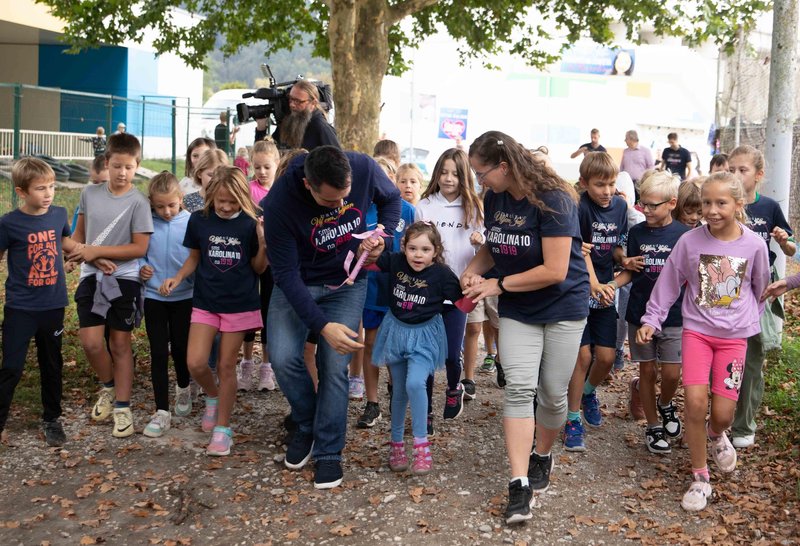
(721, 280)
(335, 228)
(224, 252)
(760, 226)
(734, 380)
(508, 236)
(605, 236)
(101, 237)
(42, 253)
(409, 291)
(655, 256)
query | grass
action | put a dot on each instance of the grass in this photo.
(159, 165)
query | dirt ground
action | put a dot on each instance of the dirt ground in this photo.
(101, 490)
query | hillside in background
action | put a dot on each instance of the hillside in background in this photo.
(245, 67)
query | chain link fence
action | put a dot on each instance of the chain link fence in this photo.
(58, 125)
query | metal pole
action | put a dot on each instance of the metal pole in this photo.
(174, 136)
(739, 86)
(188, 118)
(17, 120)
(109, 115)
(144, 107)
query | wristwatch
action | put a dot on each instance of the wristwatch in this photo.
(500, 284)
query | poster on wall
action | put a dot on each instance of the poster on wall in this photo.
(453, 123)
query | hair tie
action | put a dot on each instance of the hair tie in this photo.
(427, 222)
(499, 142)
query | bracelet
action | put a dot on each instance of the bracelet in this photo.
(612, 283)
(500, 284)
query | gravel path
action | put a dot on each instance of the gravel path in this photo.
(167, 491)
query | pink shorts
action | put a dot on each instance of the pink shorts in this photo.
(229, 322)
(722, 359)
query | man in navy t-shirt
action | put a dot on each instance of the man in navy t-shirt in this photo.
(310, 217)
(593, 146)
(676, 159)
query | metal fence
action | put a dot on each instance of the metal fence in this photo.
(59, 123)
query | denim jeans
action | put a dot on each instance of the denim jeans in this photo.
(324, 413)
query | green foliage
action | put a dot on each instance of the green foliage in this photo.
(236, 84)
(519, 27)
(782, 393)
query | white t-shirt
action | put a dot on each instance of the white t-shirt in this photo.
(188, 186)
(449, 220)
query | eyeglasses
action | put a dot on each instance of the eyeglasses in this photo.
(652, 206)
(481, 176)
(298, 102)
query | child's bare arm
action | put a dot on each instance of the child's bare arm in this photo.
(259, 261)
(135, 249)
(187, 269)
(79, 235)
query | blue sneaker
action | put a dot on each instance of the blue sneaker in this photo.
(591, 410)
(573, 436)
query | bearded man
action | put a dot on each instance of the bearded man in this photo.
(306, 126)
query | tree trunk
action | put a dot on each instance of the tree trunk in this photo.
(780, 120)
(358, 32)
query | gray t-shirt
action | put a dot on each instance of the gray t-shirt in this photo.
(111, 220)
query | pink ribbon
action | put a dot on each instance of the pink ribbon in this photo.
(351, 275)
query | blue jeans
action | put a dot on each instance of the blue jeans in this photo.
(408, 379)
(324, 413)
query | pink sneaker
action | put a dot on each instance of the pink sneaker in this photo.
(266, 377)
(723, 453)
(244, 377)
(422, 459)
(221, 442)
(398, 460)
(209, 417)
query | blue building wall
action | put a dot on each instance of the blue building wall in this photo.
(118, 71)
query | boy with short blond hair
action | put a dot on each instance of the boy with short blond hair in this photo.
(36, 291)
(603, 219)
(115, 222)
(649, 245)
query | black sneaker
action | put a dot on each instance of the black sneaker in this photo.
(519, 502)
(328, 475)
(469, 388)
(539, 469)
(371, 415)
(669, 420)
(431, 431)
(454, 402)
(54, 433)
(501, 376)
(656, 438)
(299, 451)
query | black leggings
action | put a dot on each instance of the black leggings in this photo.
(167, 324)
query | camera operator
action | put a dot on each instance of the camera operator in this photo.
(306, 125)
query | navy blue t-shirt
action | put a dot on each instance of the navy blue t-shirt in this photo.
(417, 296)
(36, 279)
(514, 232)
(224, 281)
(655, 244)
(588, 146)
(676, 160)
(606, 228)
(763, 215)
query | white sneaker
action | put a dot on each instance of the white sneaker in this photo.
(696, 497)
(723, 453)
(123, 423)
(266, 377)
(158, 425)
(105, 404)
(743, 442)
(183, 401)
(244, 376)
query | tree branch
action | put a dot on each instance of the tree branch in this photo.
(403, 9)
